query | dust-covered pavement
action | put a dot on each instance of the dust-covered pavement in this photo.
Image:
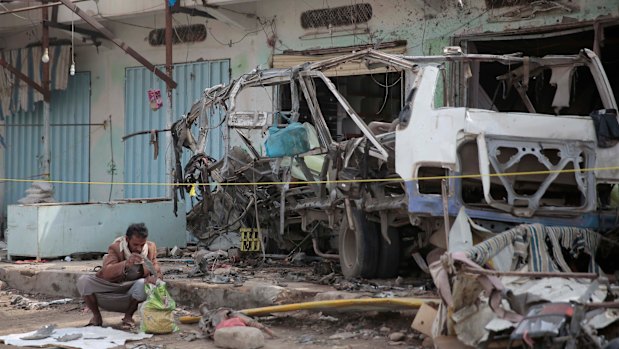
(294, 330)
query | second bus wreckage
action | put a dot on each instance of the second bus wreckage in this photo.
(497, 176)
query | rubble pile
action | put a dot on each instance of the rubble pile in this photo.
(22, 302)
(521, 286)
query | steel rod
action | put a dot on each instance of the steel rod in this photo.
(532, 274)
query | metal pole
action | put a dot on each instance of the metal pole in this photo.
(445, 196)
(169, 87)
(47, 100)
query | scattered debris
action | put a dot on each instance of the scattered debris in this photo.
(397, 336)
(145, 346)
(239, 338)
(41, 333)
(384, 330)
(69, 337)
(29, 304)
(344, 335)
(212, 320)
(191, 336)
(532, 280)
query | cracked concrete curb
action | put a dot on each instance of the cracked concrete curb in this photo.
(192, 293)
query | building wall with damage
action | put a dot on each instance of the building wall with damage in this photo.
(426, 26)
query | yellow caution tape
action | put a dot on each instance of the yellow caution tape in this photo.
(368, 180)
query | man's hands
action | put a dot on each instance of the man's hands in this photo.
(134, 259)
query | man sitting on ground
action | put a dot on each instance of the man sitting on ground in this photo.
(119, 285)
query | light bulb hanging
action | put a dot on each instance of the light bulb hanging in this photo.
(45, 57)
(72, 68)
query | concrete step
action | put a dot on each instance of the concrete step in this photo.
(58, 279)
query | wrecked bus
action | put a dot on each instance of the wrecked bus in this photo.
(511, 139)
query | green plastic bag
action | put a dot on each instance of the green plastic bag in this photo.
(157, 310)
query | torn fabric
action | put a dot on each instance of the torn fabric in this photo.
(539, 247)
(15, 94)
(562, 79)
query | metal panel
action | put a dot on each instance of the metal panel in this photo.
(192, 79)
(23, 152)
(47, 231)
(69, 142)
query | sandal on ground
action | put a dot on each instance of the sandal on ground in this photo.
(93, 324)
(128, 326)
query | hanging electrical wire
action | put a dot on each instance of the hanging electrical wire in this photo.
(72, 69)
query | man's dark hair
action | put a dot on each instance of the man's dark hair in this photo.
(137, 229)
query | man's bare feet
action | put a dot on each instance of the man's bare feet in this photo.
(95, 321)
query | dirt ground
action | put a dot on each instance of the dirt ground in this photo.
(294, 330)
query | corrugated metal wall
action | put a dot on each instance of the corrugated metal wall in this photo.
(69, 143)
(192, 79)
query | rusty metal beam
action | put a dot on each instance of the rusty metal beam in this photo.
(24, 78)
(108, 34)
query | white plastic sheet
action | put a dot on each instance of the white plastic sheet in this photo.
(92, 338)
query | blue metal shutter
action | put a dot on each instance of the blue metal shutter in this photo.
(69, 143)
(192, 79)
